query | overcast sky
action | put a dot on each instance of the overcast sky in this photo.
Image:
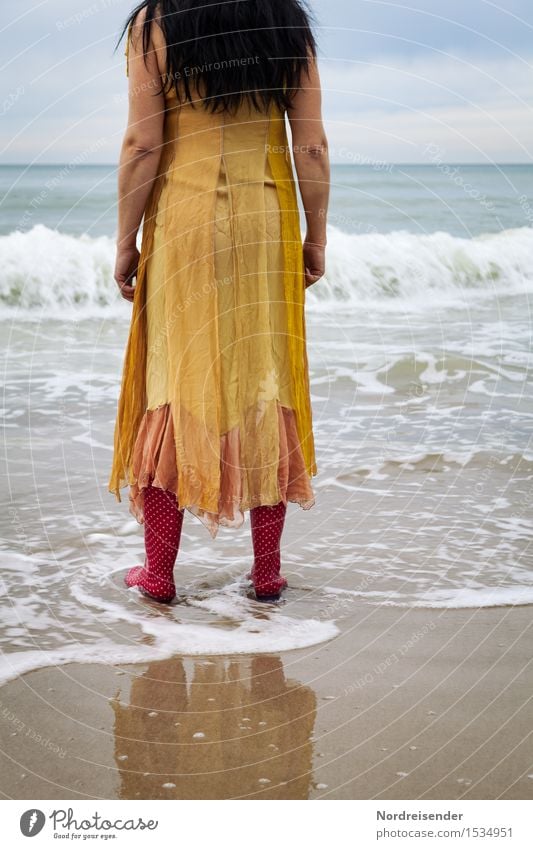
(403, 82)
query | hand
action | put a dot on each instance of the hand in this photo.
(127, 260)
(314, 262)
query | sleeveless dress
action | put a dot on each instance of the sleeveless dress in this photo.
(214, 402)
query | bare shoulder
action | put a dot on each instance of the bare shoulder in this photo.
(305, 111)
(306, 101)
(157, 38)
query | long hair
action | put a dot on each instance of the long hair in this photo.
(231, 50)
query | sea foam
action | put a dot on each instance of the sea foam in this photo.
(46, 273)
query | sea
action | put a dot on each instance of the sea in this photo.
(419, 341)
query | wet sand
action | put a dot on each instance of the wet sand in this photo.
(403, 704)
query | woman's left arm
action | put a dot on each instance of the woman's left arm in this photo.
(141, 147)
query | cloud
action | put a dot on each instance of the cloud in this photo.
(363, 28)
(476, 110)
(433, 72)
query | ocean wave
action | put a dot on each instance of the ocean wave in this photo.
(46, 273)
(424, 270)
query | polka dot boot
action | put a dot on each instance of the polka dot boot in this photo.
(267, 525)
(162, 532)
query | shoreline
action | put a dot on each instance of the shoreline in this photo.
(405, 703)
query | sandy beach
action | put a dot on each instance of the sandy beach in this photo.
(402, 704)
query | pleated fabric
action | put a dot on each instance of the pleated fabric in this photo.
(215, 401)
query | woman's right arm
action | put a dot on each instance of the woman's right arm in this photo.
(311, 159)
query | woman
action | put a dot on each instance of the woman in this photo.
(214, 413)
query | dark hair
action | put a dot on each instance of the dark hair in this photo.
(232, 49)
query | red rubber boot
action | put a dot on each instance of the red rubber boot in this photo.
(162, 533)
(267, 526)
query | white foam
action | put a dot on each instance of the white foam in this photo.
(46, 273)
(422, 271)
(467, 597)
(273, 634)
(456, 598)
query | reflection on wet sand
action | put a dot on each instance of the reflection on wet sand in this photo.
(237, 728)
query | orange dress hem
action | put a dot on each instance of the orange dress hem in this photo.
(154, 462)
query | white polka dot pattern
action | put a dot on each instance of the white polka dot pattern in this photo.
(162, 534)
(267, 523)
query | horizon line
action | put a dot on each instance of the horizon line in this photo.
(339, 164)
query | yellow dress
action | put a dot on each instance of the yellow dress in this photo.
(215, 402)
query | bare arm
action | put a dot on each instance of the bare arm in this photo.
(311, 159)
(141, 147)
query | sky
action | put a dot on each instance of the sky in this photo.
(418, 81)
